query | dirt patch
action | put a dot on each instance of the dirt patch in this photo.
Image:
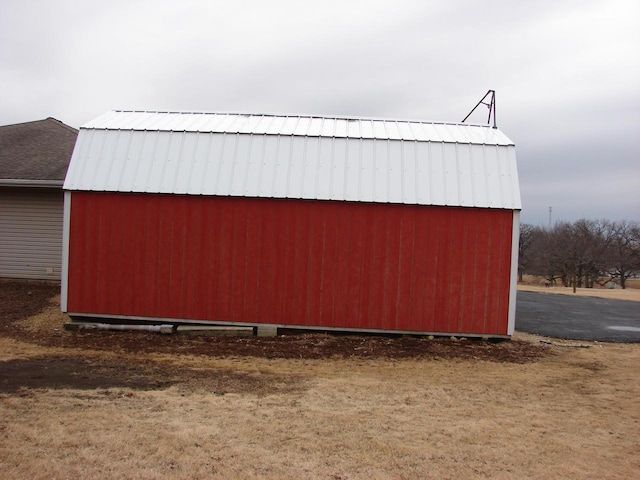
(60, 372)
(89, 373)
(301, 346)
(44, 327)
(24, 299)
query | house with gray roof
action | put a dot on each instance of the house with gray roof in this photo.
(34, 157)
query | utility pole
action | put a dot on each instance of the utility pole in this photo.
(550, 208)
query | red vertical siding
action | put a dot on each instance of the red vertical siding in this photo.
(295, 262)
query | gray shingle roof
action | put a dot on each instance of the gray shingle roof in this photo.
(36, 151)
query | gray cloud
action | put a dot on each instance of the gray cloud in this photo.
(567, 73)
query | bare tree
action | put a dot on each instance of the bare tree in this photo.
(576, 253)
(624, 251)
(581, 253)
(544, 255)
(586, 245)
(527, 236)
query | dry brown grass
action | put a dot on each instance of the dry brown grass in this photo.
(73, 413)
(630, 294)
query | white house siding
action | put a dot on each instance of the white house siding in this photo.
(31, 233)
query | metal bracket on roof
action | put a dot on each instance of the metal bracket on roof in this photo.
(491, 105)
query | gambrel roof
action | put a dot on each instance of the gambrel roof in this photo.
(296, 156)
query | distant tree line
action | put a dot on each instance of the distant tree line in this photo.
(581, 254)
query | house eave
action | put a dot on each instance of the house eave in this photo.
(13, 182)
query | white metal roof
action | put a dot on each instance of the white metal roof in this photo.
(279, 156)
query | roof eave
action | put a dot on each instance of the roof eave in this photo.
(14, 182)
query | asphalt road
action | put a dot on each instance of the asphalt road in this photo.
(578, 318)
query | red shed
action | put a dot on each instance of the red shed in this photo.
(292, 221)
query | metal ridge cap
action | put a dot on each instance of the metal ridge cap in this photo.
(299, 115)
(510, 143)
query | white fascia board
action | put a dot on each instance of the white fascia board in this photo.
(513, 281)
(66, 223)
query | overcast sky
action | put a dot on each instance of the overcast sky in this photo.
(566, 74)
